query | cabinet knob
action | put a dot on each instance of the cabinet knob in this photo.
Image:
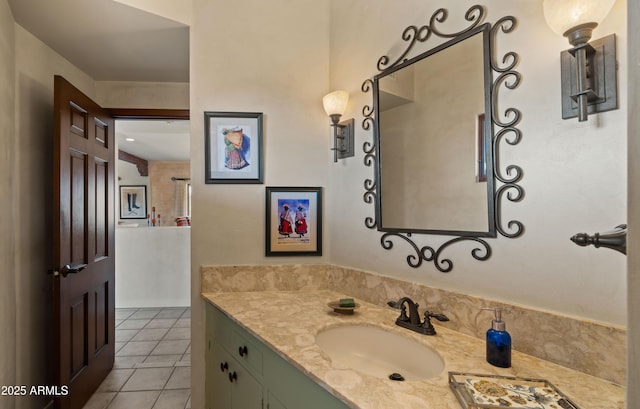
(233, 376)
(243, 350)
(224, 366)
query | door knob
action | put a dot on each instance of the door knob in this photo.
(67, 269)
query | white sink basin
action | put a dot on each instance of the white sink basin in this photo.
(380, 353)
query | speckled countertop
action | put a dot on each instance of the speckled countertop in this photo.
(287, 322)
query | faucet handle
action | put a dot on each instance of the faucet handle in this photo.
(439, 317)
(403, 313)
(428, 327)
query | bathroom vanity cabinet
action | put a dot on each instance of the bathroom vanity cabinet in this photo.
(243, 373)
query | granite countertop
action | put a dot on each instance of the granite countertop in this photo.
(287, 322)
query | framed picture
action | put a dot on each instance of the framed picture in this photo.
(294, 221)
(233, 147)
(133, 202)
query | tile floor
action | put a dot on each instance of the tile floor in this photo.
(153, 361)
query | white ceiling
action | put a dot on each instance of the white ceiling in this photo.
(154, 139)
(108, 40)
(111, 41)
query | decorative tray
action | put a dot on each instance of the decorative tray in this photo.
(475, 391)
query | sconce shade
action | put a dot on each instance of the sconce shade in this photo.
(335, 103)
(563, 15)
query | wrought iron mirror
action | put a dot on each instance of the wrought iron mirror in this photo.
(436, 138)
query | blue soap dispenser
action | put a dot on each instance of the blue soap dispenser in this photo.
(498, 341)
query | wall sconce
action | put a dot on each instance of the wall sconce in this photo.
(589, 71)
(335, 103)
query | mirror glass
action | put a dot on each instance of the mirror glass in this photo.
(434, 161)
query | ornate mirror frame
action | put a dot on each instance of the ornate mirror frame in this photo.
(505, 179)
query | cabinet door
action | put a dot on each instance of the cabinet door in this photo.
(218, 388)
(246, 391)
(293, 388)
(273, 403)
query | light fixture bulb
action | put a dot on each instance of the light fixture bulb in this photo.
(335, 103)
(564, 15)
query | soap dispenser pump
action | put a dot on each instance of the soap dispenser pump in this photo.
(498, 341)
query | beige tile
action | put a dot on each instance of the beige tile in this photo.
(173, 399)
(121, 362)
(99, 400)
(159, 361)
(170, 347)
(161, 323)
(180, 379)
(114, 381)
(137, 348)
(124, 313)
(118, 346)
(135, 400)
(183, 323)
(156, 365)
(171, 313)
(133, 324)
(124, 335)
(163, 358)
(145, 379)
(145, 313)
(178, 333)
(188, 405)
(150, 334)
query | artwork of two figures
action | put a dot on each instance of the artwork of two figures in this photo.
(292, 217)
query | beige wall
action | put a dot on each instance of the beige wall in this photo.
(163, 189)
(574, 173)
(157, 95)
(283, 71)
(255, 56)
(7, 191)
(178, 10)
(633, 341)
(35, 66)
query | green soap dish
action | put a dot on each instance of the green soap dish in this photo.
(335, 305)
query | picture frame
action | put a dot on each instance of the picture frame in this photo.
(133, 201)
(233, 147)
(293, 221)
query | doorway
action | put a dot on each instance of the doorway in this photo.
(153, 211)
(153, 326)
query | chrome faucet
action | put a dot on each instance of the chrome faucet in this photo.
(412, 321)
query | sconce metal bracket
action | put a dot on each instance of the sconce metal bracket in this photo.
(344, 139)
(602, 75)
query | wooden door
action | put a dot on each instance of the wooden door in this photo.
(84, 227)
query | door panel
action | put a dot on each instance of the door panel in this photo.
(101, 297)
(78, 208)
(84, 224)
(78, 335)
(101, 236)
